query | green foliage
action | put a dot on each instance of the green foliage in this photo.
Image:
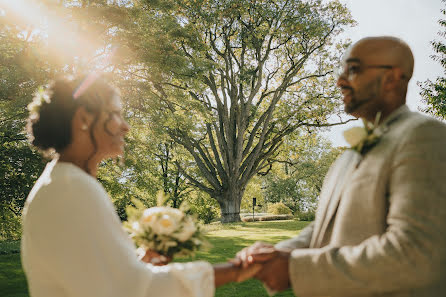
(21, 71)
(211, 89)
(253, 190)
(229, 80)
(278, 208)
(434, 93)
(308, 215)
(298, 180)
(9, 247)
(203, 206)
(10, 225)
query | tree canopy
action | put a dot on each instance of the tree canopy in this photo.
(231, 79)
(213, 89)
(434, 93)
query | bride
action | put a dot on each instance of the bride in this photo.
(73, 243)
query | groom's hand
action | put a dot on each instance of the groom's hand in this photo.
(259, 252)
(274, 272)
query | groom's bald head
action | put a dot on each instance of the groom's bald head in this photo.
(386, 50)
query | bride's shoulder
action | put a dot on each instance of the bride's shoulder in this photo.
(64, 183)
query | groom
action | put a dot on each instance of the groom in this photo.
(380, 227)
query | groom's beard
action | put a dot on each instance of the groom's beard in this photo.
(354, 104)
(368, 94)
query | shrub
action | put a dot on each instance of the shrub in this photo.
(278, 209)
(306, 215)
(205, 207)
(9, 247)
(10, 226)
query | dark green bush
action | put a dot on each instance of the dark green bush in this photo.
(9, 247)
(305, 215)
(204, 207)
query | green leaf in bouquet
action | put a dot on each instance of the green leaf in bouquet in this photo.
(135, 211)
(184, 207)
(161, 198)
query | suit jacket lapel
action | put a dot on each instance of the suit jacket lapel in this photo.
(337, 181)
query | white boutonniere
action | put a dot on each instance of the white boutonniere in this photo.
(361, 139)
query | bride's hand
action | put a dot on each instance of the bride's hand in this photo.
(156, 259)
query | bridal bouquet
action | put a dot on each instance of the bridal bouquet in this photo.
(165, 230)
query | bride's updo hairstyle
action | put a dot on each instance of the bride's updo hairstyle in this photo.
(53, 108)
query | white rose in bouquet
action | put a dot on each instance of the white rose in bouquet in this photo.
(187, 230)
(165, 230)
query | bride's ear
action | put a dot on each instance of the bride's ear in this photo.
(82, 119)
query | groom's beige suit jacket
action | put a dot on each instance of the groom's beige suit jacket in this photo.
(380, 227)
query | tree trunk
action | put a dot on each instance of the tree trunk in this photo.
(230, 206)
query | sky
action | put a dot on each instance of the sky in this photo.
(415, 22)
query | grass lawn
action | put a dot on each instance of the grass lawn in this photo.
(226, 239)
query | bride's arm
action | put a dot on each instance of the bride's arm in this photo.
(228, 272)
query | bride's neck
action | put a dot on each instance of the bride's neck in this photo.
(89, 166)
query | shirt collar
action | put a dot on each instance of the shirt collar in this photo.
(393, 117)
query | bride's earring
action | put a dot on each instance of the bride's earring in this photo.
(84, 127)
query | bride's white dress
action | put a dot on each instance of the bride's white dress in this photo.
(73, 245)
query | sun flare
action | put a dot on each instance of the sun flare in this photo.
(65, 40)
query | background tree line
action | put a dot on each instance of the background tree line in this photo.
(225, 98)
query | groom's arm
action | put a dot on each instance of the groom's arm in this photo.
(298, 242)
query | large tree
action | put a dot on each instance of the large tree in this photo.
(231, 79)
(434, 93)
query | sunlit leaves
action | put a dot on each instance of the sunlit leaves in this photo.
(434, 92)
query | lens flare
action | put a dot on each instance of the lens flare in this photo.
(66, 39)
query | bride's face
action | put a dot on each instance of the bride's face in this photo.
(110, 130)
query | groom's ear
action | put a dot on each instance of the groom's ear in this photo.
(393, 78)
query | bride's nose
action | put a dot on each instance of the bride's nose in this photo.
(125, 127)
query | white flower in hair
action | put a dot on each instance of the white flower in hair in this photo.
(41, 95)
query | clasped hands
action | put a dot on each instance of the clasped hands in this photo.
(265, 263)
(260, 260)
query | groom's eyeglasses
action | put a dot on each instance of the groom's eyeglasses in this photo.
(352, 69)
